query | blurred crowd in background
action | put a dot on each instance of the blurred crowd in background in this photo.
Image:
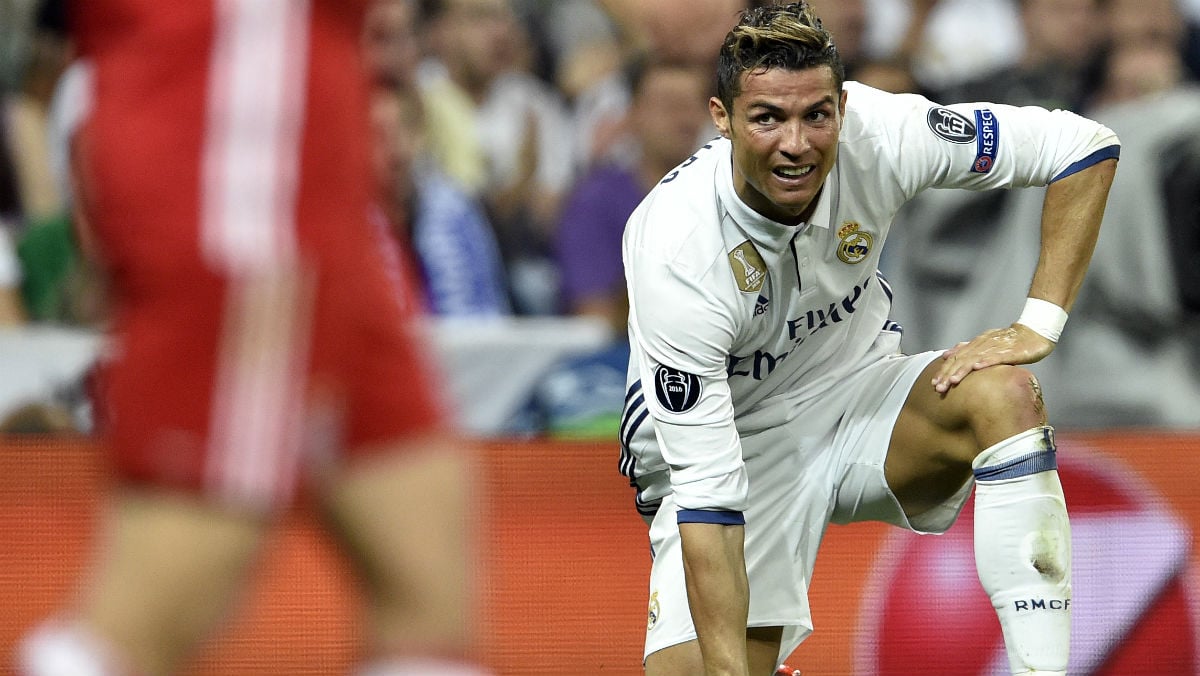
(514, 138)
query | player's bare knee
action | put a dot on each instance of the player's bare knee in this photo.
(1000, 386)
(1026, 397)
(1004, 399)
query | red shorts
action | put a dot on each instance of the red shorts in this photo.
(224, 175)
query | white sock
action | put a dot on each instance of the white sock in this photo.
(1023, 549)
(423, 666)
(63, 648)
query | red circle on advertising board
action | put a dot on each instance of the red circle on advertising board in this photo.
(1133, 613)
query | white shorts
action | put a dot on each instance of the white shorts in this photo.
(823, 464)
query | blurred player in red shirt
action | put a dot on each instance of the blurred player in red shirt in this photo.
(258, 343)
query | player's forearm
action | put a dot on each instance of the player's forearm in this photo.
(1071, 218)
(718, 593)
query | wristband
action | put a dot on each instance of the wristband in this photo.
(1045, 318)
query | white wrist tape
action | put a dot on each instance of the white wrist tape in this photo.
(1045, 318)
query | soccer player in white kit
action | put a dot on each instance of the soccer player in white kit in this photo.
(768, 395)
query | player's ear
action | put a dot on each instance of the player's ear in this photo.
(720, 116)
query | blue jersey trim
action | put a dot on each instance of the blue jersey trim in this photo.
(721, 518)
(633, 423)
(1040, 461)
(633, 390)
(645, 508)
(632, 417)
(1112, 152)
(628, 459)
(884, 284)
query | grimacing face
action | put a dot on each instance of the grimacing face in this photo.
(784, 127)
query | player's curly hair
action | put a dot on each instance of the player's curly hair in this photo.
(775, 36)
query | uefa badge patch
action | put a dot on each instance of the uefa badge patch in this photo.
(748, 267)
(677, 391)
(853, 244)
(951, 126)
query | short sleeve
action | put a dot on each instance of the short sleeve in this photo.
(977, 146)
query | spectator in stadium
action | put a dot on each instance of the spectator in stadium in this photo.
(60, 283)
(848, 22)
(25, 114)
(500, 131)
(581, 395)
(959, 249)
(664, 123)
(1161, 23)
(1057, 68)
(12, 307)
(1140, 303)
(589, 56)
(1135, 21)
(592, 40)
(444, 237)
(1139, 70)
(30, 195)
(655, 26)
(391, 46)
(592, 70)
(447, 246)
(36, 193)
(768, 396)
(260, 342)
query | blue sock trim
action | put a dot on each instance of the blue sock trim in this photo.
(1038, 461)
(721, 518)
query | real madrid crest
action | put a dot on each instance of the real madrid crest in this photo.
(652, 615)
(854, 245)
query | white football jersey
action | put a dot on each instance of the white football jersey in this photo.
(731, 311)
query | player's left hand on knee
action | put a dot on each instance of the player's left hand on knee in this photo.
(1016, 344)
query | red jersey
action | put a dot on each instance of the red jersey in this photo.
(224, 174)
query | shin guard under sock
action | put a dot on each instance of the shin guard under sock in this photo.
(1023, 549)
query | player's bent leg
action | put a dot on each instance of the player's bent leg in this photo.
(167, 570)
(683, 659)
(992, 426)
(403, 516)
(936, 437)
